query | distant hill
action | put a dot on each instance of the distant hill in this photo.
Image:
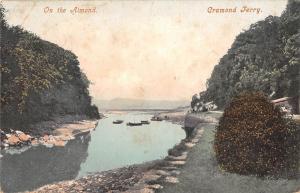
(127, 103)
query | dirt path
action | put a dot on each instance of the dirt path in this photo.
(201, 174)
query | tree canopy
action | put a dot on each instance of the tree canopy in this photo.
(264, 58)
(39, 79)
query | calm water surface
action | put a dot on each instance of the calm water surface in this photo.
(109, 146)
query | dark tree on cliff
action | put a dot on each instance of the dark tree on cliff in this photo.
(39, 79)
(264, 58)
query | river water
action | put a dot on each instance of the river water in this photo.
(108, 146)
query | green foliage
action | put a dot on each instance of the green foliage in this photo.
(39, 79)
(264, 58)
(254, 137)
(92, 111)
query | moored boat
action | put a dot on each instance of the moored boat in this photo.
(145, 122)
(117, 121)
(134, 124)
(156, 119)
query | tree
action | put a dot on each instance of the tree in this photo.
(263, 58)
(254, 137)
(36, 78)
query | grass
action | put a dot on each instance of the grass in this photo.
(201, 174)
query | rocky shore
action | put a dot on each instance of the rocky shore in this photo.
(140, 178)
(176, 116)
(56, 132)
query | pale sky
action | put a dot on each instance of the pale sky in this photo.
(142, 49)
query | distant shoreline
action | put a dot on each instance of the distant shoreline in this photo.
(147, 110)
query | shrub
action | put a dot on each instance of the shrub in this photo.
(254, 137)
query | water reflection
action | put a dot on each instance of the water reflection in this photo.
(41, 165)
(118, 145)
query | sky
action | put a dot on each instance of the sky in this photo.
(159, 50)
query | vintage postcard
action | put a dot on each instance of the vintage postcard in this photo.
(141, 96)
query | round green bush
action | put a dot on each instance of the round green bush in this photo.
(254, 137)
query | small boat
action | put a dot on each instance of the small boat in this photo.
(156, 119)
(117, 122)
(145, 122)
(134, 124)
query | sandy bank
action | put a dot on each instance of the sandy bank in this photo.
(55, 132)
(67, 131)
(116, 180)
(175, 116)
(186, 119)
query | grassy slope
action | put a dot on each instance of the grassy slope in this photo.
(202, 175)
